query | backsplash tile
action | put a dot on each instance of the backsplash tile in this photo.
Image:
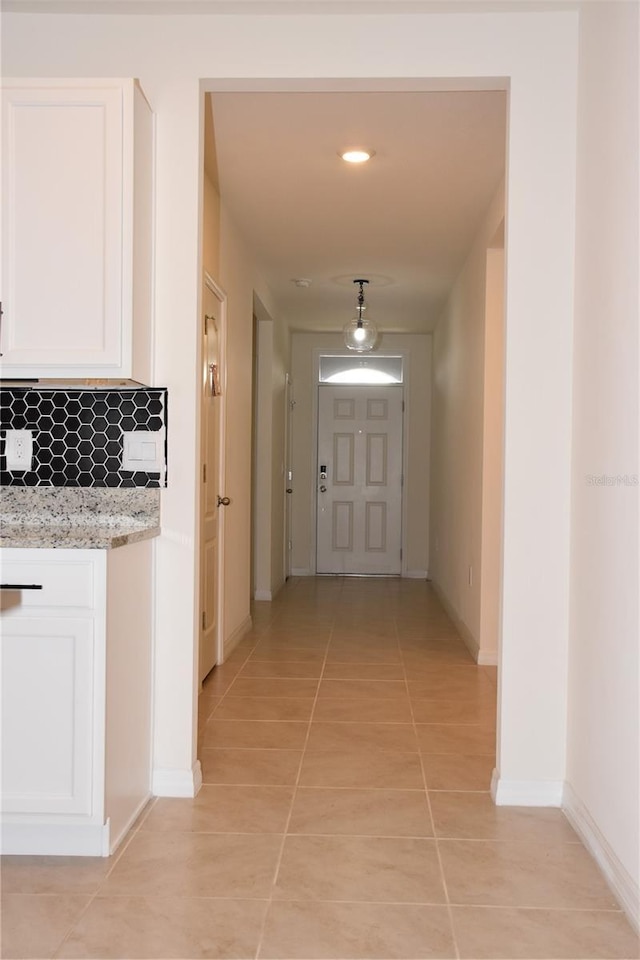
(78, 434)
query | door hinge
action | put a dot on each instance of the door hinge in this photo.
(204, 620)
(402, 479)
(204, 473)
(403, 406)
(401, 553)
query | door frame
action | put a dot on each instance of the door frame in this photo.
(334, 352)
(220, 473)
(289, 404)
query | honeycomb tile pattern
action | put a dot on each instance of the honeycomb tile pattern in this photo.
(78, 435)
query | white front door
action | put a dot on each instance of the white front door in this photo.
(359, 482)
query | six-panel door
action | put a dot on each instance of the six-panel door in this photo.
(359, 514)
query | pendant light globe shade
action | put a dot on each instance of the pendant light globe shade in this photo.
(360, 335)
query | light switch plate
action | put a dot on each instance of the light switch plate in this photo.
(143, 451)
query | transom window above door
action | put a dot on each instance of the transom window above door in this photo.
(369, 370)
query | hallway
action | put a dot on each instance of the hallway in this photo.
(347, 747)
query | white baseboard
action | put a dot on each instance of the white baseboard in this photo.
(262, 595)
(21, 837)
(114, 842)
(234, 638)
(526, 793)
(415, 575)
(460, 625)
(622, 884)
(487, 658)
(176, 783)
(301, 572)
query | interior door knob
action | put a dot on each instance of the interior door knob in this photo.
(224, 501)
(323, 489)
(289, 490)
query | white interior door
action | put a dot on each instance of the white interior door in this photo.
(211, 595)
(359, 483)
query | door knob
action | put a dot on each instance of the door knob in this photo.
(224, 501)
(289, 490)
(323, 489)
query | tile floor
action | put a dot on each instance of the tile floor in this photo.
(347, 747)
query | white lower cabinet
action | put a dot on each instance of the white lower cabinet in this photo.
(76, 681)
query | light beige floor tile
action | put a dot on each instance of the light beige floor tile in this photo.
(363, 671)
(298, 689)
(474, 816)
(357, 768)
(53, 875)
(359, 868)
(453, 711)
(270, 653)
(446, 653)
(224, 809)
(296, 637)
(365, 711)
(363, 689)
(356, 931)
(381, 813)
(456, 738)
(263, 708)
(145, 927)
(467, 686)
(369, 737)
(509, 934)
(219, 680)
(363, 655)
(429, 630)
(195, 865)
(441, 672)
(35, 926)
(282, 669)
(369, 626)
(287, 735)
(278, 767)
(561, 875)
(206, 706)
(453, 772)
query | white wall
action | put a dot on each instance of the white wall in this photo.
(492, 457)
(273, 365)
(535, 53)
(458, 460)
(416, 488)
(604, 696)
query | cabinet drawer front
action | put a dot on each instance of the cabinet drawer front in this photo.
(47, 672)
(64, 584)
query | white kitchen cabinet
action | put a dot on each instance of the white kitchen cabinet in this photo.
(76, 697)
(76, 228)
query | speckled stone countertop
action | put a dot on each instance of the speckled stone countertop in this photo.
(71, 518)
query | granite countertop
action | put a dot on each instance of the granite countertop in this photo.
(71, 518)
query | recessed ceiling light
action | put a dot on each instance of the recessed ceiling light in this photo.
(301, 281)
(357, 156)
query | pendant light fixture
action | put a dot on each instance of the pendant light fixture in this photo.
(360, 335)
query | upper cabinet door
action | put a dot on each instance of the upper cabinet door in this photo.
(68, 230)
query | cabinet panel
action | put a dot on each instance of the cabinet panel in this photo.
(47, 671)
(62, 190)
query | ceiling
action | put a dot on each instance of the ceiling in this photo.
(405, 220)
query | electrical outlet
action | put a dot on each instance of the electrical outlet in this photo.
(19, 449)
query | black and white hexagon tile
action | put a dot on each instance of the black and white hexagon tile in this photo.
(78, 435)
